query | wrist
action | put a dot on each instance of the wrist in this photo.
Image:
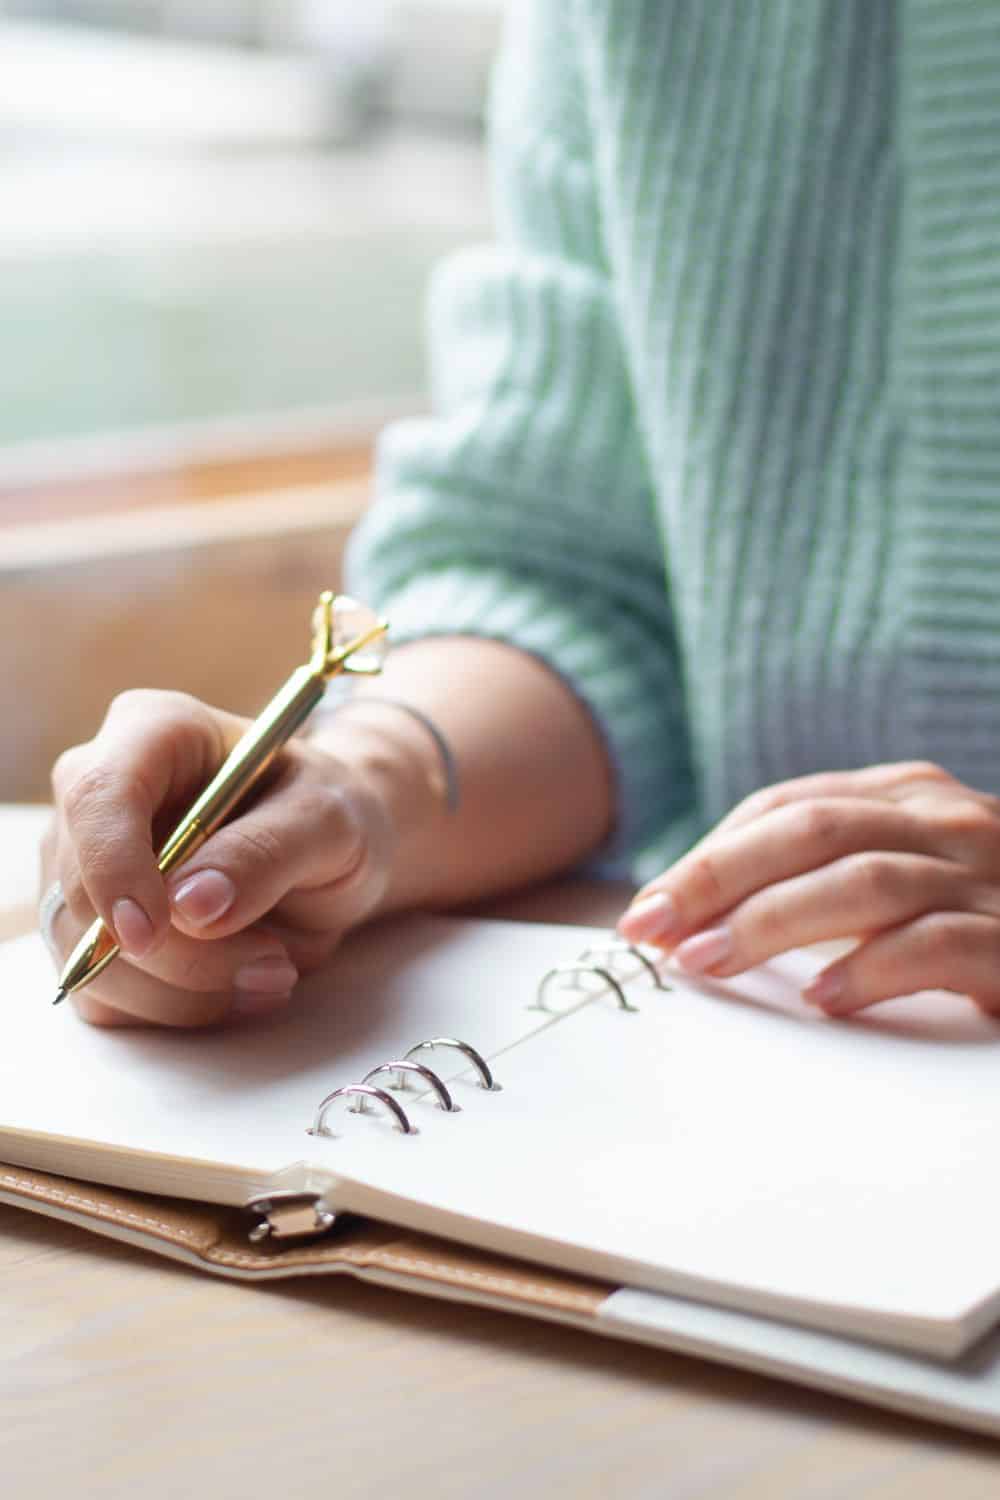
(404, 766)
(443, 772)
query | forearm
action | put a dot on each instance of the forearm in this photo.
(535, 787)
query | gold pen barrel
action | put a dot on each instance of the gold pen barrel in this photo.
(244, 765)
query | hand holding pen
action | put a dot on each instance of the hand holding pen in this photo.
(243, 894)
(363, 818)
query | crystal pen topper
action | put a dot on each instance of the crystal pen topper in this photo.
(347, 637)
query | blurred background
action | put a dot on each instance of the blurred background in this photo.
(217, 220)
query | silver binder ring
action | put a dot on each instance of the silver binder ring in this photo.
(402, 1068)
(362, 1092)
(611, 953)
(486, 1079)
(569, 976)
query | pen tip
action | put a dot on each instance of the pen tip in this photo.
(60, 997)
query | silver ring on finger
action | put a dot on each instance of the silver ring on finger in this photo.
(49, 908)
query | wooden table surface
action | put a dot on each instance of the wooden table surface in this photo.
(122, 1374)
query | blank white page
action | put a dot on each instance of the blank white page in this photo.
(736, 1147)
(242, 1097)
(965, 1390)
(748, 1151)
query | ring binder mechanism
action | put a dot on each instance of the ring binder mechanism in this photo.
(610, 955)
(402, 1068)
(288, 1214)
(362, 1092)
(602, 963)
(285, 1215)
(598, 963)
(486, 1079)
(572, 976)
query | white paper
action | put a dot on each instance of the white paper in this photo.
(736, 1147)
(745, 1150)
(966, 1390)
(245, 1095)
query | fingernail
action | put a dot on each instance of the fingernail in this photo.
(133, 928)
(258, 1003)
(704, 951)
(273, 975)
(825, 990)
(650, 918)
(204, 897)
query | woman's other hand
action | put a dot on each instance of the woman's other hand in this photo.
(903, 857)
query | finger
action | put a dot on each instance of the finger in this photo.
(890, 782)
(730, 865)
(151, 749)
(860, 894)
(124, 996)
(306, 835)
(252, 969)
(945, 950)
(96, 1013)
(48, 853)
(127, 996)
(249, 960)
(308, 948)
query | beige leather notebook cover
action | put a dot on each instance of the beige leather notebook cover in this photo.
(963, 1393)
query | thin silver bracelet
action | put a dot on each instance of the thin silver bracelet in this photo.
(449, 767)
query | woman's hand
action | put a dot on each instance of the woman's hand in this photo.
(264, 900)
(904, 857)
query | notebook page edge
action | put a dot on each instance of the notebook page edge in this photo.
(828, 1360)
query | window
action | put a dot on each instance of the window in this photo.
(218, 220)
(221, 214)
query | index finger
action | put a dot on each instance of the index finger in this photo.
(152, 751)
(888, 782)
(732, 864)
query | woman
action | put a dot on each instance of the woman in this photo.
(708, 518)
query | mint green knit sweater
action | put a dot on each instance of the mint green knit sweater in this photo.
(717, 420)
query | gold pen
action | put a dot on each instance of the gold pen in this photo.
(341, 634)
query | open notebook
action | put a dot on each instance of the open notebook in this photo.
(732, 1149)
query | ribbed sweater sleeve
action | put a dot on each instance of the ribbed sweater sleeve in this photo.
(521, 510)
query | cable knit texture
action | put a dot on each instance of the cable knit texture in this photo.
(716, 425)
